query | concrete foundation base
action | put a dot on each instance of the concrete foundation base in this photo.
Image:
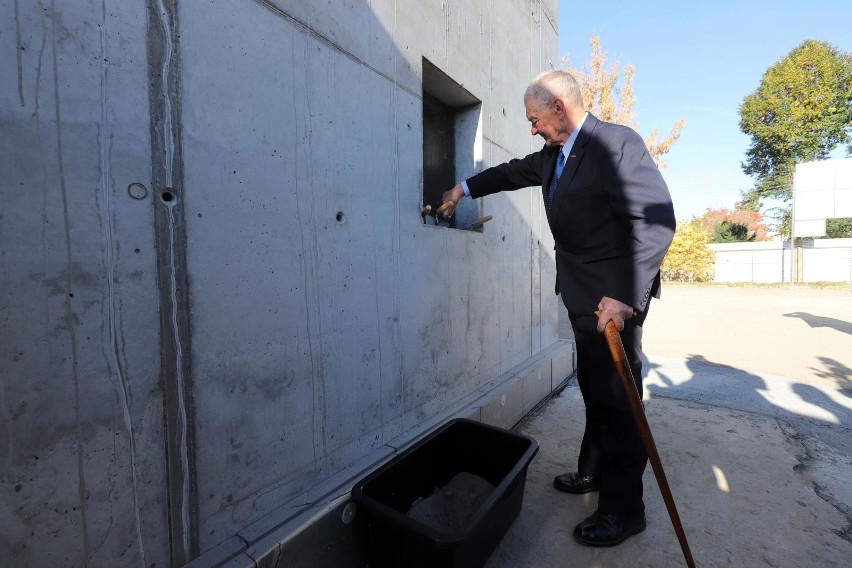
(323, 527)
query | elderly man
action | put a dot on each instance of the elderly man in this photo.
(611, 216)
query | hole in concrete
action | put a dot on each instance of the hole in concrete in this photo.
(168, 196)
(339, 216)
(137, 191)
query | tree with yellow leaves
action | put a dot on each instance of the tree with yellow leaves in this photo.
(611, 102)
(689, 259)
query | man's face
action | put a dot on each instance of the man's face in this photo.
(544, 122)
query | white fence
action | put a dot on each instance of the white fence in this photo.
(820, 260)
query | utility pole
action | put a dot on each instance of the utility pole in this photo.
(794, 253)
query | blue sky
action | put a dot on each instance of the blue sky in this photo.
(698, 61)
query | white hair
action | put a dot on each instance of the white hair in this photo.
(552, 85)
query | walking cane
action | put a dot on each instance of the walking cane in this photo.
(619, 357)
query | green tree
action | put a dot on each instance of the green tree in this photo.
(801, 111)
(729, 232)
(838, 228)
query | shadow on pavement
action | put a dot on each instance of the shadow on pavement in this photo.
(700, 380)
(836, 371)
(822, 321)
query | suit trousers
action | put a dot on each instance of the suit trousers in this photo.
(611, 448)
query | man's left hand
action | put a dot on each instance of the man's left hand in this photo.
(611, 309)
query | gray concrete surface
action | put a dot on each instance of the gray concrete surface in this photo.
(758, 461)
(217, 294)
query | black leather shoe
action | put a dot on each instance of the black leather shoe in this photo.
(575, 483)
(608, 530)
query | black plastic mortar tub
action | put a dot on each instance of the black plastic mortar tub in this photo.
(498, 456)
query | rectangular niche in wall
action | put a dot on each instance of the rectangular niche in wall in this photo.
(450, 131)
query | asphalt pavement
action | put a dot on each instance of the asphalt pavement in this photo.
(749, 398)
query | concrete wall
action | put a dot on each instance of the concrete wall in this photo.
(82, 468)
(220, 305)
(820, 260)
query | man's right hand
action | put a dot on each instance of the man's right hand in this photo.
(611, 309)
(453, 196)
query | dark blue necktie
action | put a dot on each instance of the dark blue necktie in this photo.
(560, 163)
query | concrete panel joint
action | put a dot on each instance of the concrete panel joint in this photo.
(170, 229)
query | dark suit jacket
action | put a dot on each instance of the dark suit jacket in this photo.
(612, 216)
